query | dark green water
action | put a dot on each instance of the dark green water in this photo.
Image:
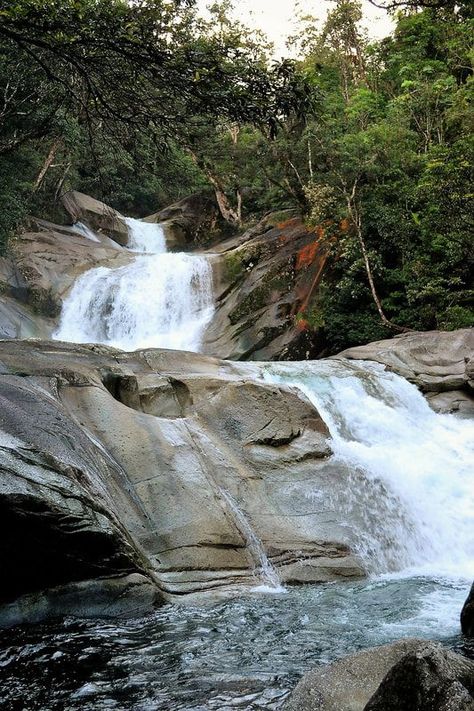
(247, 653)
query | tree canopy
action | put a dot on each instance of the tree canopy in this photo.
(150, 64)
(142, 102)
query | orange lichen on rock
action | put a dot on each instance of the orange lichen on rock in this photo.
(292, 222)
(302, 325)
(306, 255)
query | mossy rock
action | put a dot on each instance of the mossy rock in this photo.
(43, 302)
(278, 279)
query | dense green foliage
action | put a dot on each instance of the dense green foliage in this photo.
(140, 104)
(102, 89)
(388, 146)
(395, 147)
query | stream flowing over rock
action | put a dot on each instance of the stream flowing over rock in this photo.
(140, 453)
(439, 363)
(261, 280)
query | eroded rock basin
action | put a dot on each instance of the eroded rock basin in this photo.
(246, 653)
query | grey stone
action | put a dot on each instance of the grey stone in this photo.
(427, 679)
(407, 675)
(97, 215)
(117, 464)
(349, 683)
(467, 615)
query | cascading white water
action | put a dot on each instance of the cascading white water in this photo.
(410, 470)
(418, 466)
(160, 300)
(145, 237)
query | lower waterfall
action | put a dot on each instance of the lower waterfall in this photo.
(160, 300)
(411, 468)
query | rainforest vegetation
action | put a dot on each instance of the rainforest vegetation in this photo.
(142, 103)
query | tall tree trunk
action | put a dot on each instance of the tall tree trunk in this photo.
(355, 217)
(231, 215)
(47, 163)
(227, 211)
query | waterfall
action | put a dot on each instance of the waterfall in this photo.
(264, 569)
(145, 237)
(411, 468)
(160, 300)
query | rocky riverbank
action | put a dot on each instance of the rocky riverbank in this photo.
(128, 479)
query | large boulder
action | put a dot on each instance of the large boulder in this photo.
(438, 362)
(185, 471)
(96, 215)
(429, 678)
(407, 675)
(57, 524)
(349, 683)
(266, 283)
(467, 615)
(191, 222)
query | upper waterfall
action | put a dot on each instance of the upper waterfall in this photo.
(145, 237)
(160, 300)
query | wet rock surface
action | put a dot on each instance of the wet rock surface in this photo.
(118, 464)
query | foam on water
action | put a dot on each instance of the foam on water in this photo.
(160, 300)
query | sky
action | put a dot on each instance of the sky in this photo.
(277, 17)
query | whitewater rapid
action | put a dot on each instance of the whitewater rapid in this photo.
(160, 300)
(411, 469)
